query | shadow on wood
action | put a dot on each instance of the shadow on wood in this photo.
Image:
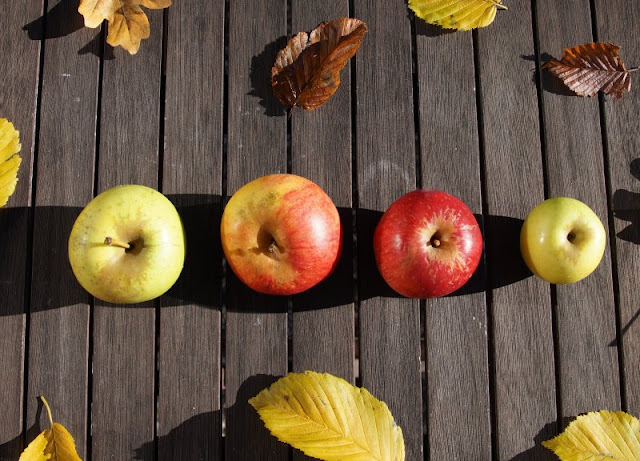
(626, 206)
(198, 438)
(538, 452)
(550, 83)
(201, 279)
(61, 20)
(260, 76)
(10, 451)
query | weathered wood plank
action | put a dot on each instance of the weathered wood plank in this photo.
(389, 327)
(17, 104)
(619, 22)
(588, 364)
(189, 417)
(59, 327)
(456, 326)
(123, 413)
(323, 317)
(525, 398)
(256, 327)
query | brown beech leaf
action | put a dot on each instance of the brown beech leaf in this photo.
(307, 71)
(592, 67)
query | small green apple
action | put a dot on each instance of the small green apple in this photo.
(562, 240)
(127, 245)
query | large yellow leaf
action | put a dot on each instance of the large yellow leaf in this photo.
(128, 24)
(328, 418)
(9, 160)
(457, 14)
(599, 436)
(54, 444)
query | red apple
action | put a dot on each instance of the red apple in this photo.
(281, 234)
(427, 244)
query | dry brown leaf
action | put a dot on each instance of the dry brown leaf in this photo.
(307, 71)
(592, 67)
(128, 24)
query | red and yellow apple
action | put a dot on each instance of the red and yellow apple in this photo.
(281, 234)
(562, 240)
(127, 245)
(427, 244)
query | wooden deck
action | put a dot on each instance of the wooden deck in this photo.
(485, 374)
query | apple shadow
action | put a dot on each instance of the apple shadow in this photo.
(200, 282)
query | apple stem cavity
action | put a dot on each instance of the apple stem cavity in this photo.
(116, 243)
(571, 237)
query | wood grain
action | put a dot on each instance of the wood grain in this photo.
(189, 417)
(389, 326)
(456, 326)
(256, 326)
(323, 317)
(588, 364)
(525, 398)
(619, 22)
(59, 321)
(123, 413)
(19, 106)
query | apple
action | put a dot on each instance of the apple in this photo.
(281, 234)
(127, 245)
(427, 244)
(562, 240)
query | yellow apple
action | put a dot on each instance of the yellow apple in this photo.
(127, 245)
(562, 240)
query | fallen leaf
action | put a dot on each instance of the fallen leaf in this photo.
(307, 71)
(54, 444)
(602, 435)
(128, 24)
(329, 419)
(587, 69)
(457, 14)
(9, 160)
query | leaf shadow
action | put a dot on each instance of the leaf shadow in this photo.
(11, 450)
(61, 20)
(538, 452)
(98, 47)
(550, 83)
(626, 207)
(261, 81)
(200, 437)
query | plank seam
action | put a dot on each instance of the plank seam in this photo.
(31, 228)
(491, 365)
(611, 226)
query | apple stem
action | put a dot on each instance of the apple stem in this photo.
(435, 243)
(116, 243)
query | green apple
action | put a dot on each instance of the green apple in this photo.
(562, 240)
(127, 245)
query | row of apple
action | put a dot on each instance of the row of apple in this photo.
(281, 234)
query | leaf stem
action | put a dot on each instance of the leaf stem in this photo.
(633, 69)
(46, 405)
(116, 243)
(500, 6)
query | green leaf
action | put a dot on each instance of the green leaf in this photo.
(602, 435)
(329, 419)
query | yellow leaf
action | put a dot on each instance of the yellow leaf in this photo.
(128, 24)
(457, 14)
(9, 160)
(602, 435)
(329, 419)
(54, 444)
